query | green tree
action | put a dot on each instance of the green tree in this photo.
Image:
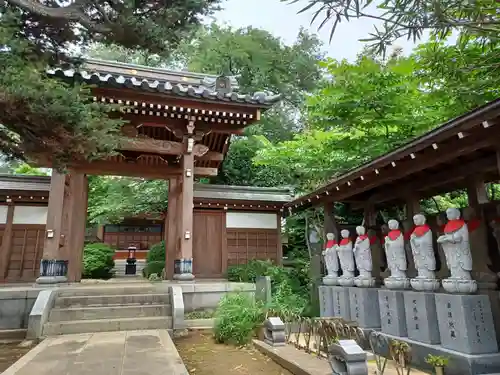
(40, 115)
(411, 19)
(367, 108)
(27, 169)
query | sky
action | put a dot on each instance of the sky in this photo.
(282, 20)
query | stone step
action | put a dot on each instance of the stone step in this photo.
(112, 300)
(106, 325)
(109, 312)
(109, 290)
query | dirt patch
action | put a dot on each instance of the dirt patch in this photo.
(202, 356)
(10, 353)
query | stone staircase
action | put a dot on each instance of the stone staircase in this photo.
(108, 309)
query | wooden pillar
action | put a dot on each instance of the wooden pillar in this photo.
(53, 267)
(478, 235)
(378, 258)
(412, 208)
(75, 239)
(171, 230)
(183, 266)
(330, 222)
(6, 247)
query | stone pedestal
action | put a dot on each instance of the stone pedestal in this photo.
(392, 312)
(466, 323)
(340, 302)
(421, 317)
(325, 301)
(364, 307)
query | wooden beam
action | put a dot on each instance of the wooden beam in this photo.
(433, 181)
(156, 146)
(160, 172)
(211, 156)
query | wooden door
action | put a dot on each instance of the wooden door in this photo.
(208, 242)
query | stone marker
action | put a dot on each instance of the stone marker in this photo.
(347, 358)
(274, 332)
(263, 289)
(466, 323)
(325, 301)
(421, 317)
(364, 307)
(340, 302)
(392, 312)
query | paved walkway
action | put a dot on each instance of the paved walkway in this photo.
(105, 353)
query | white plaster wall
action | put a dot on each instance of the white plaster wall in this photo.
(3, 214)
(251, 220)
(30, 215)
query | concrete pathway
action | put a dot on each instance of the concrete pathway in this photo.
(106, 353)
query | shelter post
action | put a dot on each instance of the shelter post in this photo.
(370, 223)
(77, 218)
(330, 222)
(53, 266)
(183, 267)
(6, 246)
(172, 226)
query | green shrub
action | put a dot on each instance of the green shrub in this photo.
(154, 267)
(155, 260)
(98, 261)
(156, 253)
(236, 318)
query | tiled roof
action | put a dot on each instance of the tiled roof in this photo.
(24, 183)
(242, 193)
(186, 84)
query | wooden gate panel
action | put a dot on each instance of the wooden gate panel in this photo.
(26, 252)
(208, 233)
(247, 244)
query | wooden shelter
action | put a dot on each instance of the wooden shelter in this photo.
(464, 152)
(180, 125)
(232, 224)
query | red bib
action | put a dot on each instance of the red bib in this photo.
(363, 237)
(394, 234)
(453, 225)
(330, 243)
(345, 241)
(373, 240)
(420, 230)
(473, 224)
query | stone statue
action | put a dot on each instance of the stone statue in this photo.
(455, 242)
(423, 256)
(478, 242)
(396, 258)
(331, 260)
(346, 259)
(363, 256)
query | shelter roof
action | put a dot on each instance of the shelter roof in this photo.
(435, 162)
(178, 83)
(242, 193)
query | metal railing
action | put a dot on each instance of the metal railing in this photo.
(315, 335)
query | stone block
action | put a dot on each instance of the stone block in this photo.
(263, 289)
(325, 301)
(392, 312)
(177, 302)
(364, 307)
(347, 357)
(340, 300)
(274, 332)
(39, 314)
(421, 317)
(466, 323)
(459, 363)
